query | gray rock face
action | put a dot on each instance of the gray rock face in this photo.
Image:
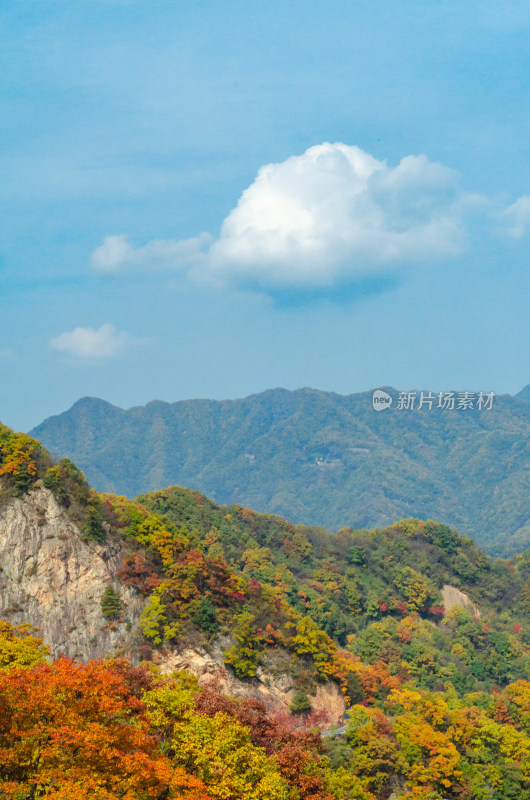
(53, 579)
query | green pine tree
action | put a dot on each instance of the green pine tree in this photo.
(111, 604)
(93, 527)
(300, 702)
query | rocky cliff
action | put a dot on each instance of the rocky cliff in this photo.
(54, 579)
(51, 577)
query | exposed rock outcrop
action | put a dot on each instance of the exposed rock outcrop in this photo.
(54, 579)
(274, 688)
(455, 597)
(51, 577)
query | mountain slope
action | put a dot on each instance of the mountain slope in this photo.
(524, 394)
(317, 458)
(178, 579)
(424, 638)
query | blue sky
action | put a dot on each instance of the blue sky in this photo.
(148, 251)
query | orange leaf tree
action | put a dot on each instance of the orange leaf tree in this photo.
(78, 726)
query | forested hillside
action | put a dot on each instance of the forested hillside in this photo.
(427, 638)
(377, 592)
(110, 731)
(317, 458)
(524, 394)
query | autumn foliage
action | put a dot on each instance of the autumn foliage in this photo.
(79, 722)
(438, 699)
(112, 731)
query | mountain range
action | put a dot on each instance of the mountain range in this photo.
(186, 650)
(318, 458)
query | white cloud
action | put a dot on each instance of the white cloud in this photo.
(336, 213)
(518, 217)
(90, 342)
(112, 254)
(329, 216)
(116, 254)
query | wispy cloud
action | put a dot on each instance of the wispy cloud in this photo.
(334, 215)
(116, 254)
(100, 342)
(517, 217)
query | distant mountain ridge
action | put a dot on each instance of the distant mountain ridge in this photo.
(524, 394)
(317, 458)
